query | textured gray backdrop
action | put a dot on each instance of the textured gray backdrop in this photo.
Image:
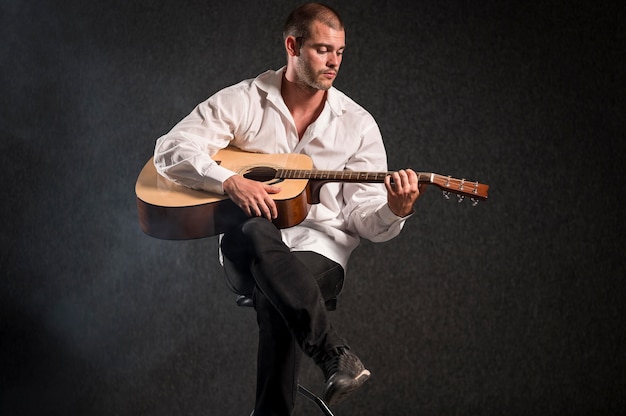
(513, 307)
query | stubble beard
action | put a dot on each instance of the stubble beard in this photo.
(310, 78)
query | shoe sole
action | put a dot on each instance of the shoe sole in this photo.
(337, 390)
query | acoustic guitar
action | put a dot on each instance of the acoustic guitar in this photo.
(174, 212)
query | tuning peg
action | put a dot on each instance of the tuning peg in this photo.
(474, 201)
(446, 194)
(460, 198)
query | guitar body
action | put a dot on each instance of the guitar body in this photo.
(174, 212)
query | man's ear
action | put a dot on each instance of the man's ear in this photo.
(292, 46)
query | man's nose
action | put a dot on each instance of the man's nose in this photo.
(333, 60)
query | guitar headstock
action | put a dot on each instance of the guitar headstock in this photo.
(461, 187)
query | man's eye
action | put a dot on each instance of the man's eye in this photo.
(322, 50)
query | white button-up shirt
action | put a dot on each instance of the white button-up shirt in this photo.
(252, 116)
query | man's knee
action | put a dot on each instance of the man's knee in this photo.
(260, 230)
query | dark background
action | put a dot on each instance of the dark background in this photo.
(513, 307)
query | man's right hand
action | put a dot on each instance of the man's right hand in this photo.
(252, 197)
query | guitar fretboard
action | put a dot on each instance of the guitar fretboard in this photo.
(341, 176)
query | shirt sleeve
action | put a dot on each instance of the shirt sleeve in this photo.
(184, 154)
(366, 207)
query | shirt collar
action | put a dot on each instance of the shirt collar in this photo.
(270, 82)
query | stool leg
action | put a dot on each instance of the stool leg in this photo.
(312, 397)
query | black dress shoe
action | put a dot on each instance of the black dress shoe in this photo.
(343, 372)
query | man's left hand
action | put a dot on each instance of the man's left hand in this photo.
(402, 191)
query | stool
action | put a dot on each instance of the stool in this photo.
(243, 286)
(246, 301)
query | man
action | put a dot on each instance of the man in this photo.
(294, 271)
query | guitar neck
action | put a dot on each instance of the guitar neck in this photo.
(447, 183)
(342, 176)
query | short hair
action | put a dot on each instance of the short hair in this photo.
(299, 20)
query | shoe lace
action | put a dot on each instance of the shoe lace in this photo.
(338, 359)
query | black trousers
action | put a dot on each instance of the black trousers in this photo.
(290, 290)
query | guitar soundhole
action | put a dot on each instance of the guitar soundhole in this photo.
(260, 174)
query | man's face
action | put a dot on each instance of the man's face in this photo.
(320, 57)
